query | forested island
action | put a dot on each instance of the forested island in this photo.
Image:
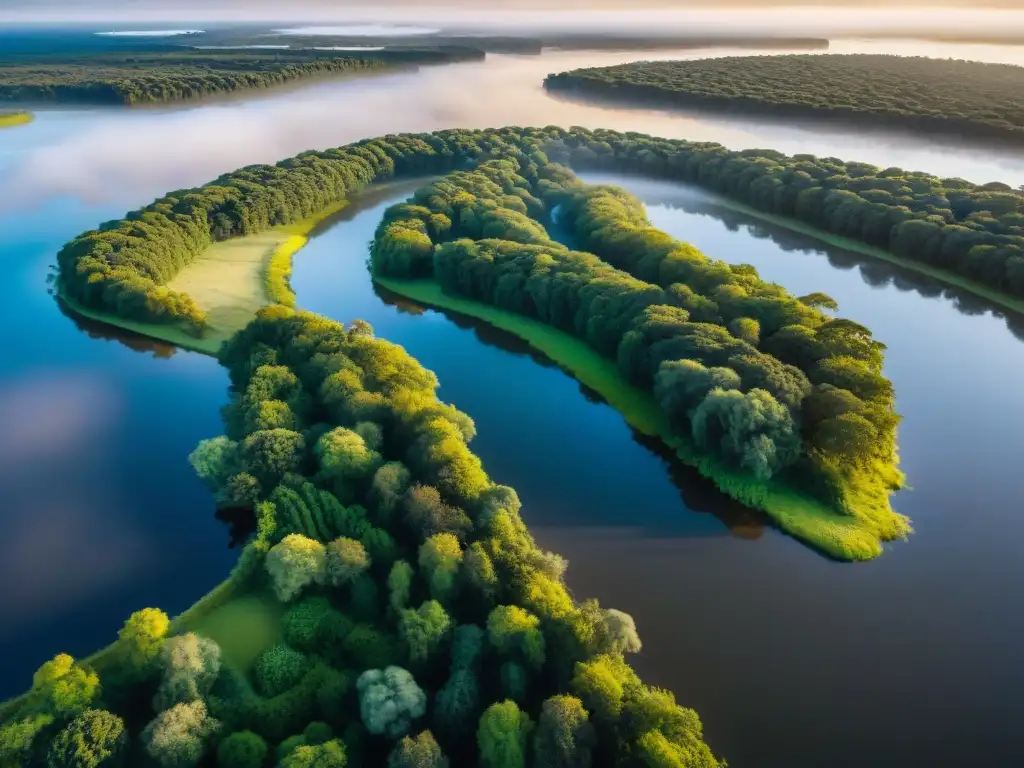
(12, 119)
(416, 622)
(970, 99)
(158, 77)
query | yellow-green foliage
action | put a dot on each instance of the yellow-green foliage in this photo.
(12, 119)
(280, 268)
(845, 537)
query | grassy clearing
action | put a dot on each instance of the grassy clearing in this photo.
(13, 119)
(230, 281)
(839, 536)
(244, 627)
(944, 275)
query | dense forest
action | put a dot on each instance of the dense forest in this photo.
(764, 380)
(976, 231)
(159, 77)
(947, 95)
(422, 625)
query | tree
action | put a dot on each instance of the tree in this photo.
(142, 635)
(346, 561)
(419, 752)
(427, 513)
(345, 456)
(620, 633)
(457, 704)
(330, 754)
(746, 329)
(95, 738)
(178, 736)
(294, 563)
(278, 669)
(243, 749)
(215, 460)
(601, 683)
(502, 736)
(439, 559)
(819, 300)
(565, 737)
(399, 585)
(424, 630)
(390, 482)
(752, 429)
(17, 738)
(190, 667)
(271, 453)
(478, 571)
(680, 386)
(389, 701)
(67, 687)
(516, 633)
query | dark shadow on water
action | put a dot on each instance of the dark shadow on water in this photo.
(241, 524)
(133, 341)
(697, 493)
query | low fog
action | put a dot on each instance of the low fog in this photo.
(988, 18)
(129, 157)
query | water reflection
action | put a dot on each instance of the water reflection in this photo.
(95, 329)
(669, 197)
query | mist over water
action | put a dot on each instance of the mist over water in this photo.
(129, 157)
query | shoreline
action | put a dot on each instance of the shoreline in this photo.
(840, 537)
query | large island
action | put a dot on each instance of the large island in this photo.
(970, 99)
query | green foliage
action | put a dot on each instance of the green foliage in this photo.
(95, 738)
(389, 701)
(964, 97)
(295, 563)
(602, 684)
(67, 688)
(346, 561)
(439, 560)
(390, 482)
(565, 737)
(190, 667)
(345, 456)
(178, 737)
(424, 630)
(271, 453)
(312, 624)
(515, 633)
(243, 749)
(18, 736)
(399, 585)
(420, 752)
(278, 669)
(330, 754)
(142, 635)
(215, 460)
(503, 735)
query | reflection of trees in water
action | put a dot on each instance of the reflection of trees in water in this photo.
(874, 272)
(134, 341)
(697, 493)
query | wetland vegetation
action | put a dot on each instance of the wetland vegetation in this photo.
(11, 118)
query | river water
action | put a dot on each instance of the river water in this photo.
(792, 660)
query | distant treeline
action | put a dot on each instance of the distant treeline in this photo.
(748, 372)
(156, 78)
(973, 230)
(940, 95)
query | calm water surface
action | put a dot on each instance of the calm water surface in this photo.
(792, 660)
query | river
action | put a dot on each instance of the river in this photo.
(792, 660)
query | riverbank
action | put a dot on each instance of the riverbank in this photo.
(805, 518)
(980, 290)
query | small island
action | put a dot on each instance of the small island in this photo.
(964, 98)
(13, 119)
